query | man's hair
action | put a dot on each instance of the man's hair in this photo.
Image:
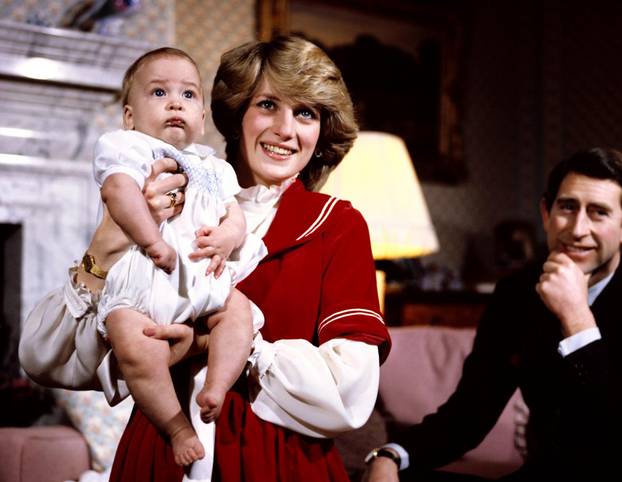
(130, 73)
(300, 71)
(597, 163)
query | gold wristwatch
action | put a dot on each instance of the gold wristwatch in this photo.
(89, 265)
(383, 452)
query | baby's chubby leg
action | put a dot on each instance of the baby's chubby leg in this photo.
(144, 362)
(230, 339)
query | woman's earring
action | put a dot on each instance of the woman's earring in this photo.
(317, 153)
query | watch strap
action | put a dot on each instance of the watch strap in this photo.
(383, 452)
(90, 266)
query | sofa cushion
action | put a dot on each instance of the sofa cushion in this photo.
(421, 372)
(42, 454)
(100, 424)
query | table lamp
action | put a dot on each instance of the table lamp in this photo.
(377, 176)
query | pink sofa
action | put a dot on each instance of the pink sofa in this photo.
(420, 373)
(42, 454)
(422, 370)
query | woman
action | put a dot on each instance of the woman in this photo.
(287, 119)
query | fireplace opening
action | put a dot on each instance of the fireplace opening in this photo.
(10, 298)
(21, 402)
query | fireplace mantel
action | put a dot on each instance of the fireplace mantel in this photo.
(55, 204)
(57, 87)
(65, 56)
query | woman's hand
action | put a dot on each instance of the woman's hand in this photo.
(183, 339)
(157, 191)
(186, 341)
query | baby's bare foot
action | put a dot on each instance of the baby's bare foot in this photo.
(186, 446)
(210, 399)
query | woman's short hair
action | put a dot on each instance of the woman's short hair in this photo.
(298, 70)
(130, 73)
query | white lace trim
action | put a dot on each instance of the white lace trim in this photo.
(261, 194)
(260, 203)
(79, 298)
(131, 298)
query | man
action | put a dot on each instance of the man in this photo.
(553, 330)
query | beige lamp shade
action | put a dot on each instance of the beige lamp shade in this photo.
(378, 178)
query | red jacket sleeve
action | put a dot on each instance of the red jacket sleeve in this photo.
(349, 306)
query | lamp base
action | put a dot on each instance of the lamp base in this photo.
(381, 286)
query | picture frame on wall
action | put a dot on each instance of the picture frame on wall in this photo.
(401, 63)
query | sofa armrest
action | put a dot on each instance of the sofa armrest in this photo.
(421, 372)
(42, 454)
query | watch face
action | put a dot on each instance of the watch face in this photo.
(88, 263)
(382, 452)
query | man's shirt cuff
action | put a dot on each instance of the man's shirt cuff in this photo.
(578, 340)
(404, 461)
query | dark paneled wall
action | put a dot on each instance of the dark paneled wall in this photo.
(540, 79)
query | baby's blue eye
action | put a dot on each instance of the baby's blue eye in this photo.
(188, 94)
(159, 92)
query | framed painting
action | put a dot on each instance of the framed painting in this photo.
(400, 61)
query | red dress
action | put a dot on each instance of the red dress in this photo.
(317, 283)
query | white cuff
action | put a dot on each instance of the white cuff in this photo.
(578, 340)
(262, 355)
(404, 459)
(79, 300)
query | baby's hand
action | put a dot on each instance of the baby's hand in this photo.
(162, 255)
(217, 242)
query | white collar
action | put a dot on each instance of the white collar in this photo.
(260, 203)
(594, 290)
(200, 150)
(261, 194)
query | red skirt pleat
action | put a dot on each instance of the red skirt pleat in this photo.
(248, 449)
(144, 455)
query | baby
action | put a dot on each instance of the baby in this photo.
(158, 280)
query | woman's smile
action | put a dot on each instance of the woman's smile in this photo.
(276, 151)
(278, 138)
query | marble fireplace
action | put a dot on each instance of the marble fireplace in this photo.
(57, 91)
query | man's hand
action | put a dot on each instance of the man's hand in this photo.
(563, 289)
(381, 469)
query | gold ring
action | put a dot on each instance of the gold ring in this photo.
(173, 198)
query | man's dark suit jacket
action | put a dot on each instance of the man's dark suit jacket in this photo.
(575, 402)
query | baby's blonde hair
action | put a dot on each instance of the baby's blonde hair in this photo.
(130, 73)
